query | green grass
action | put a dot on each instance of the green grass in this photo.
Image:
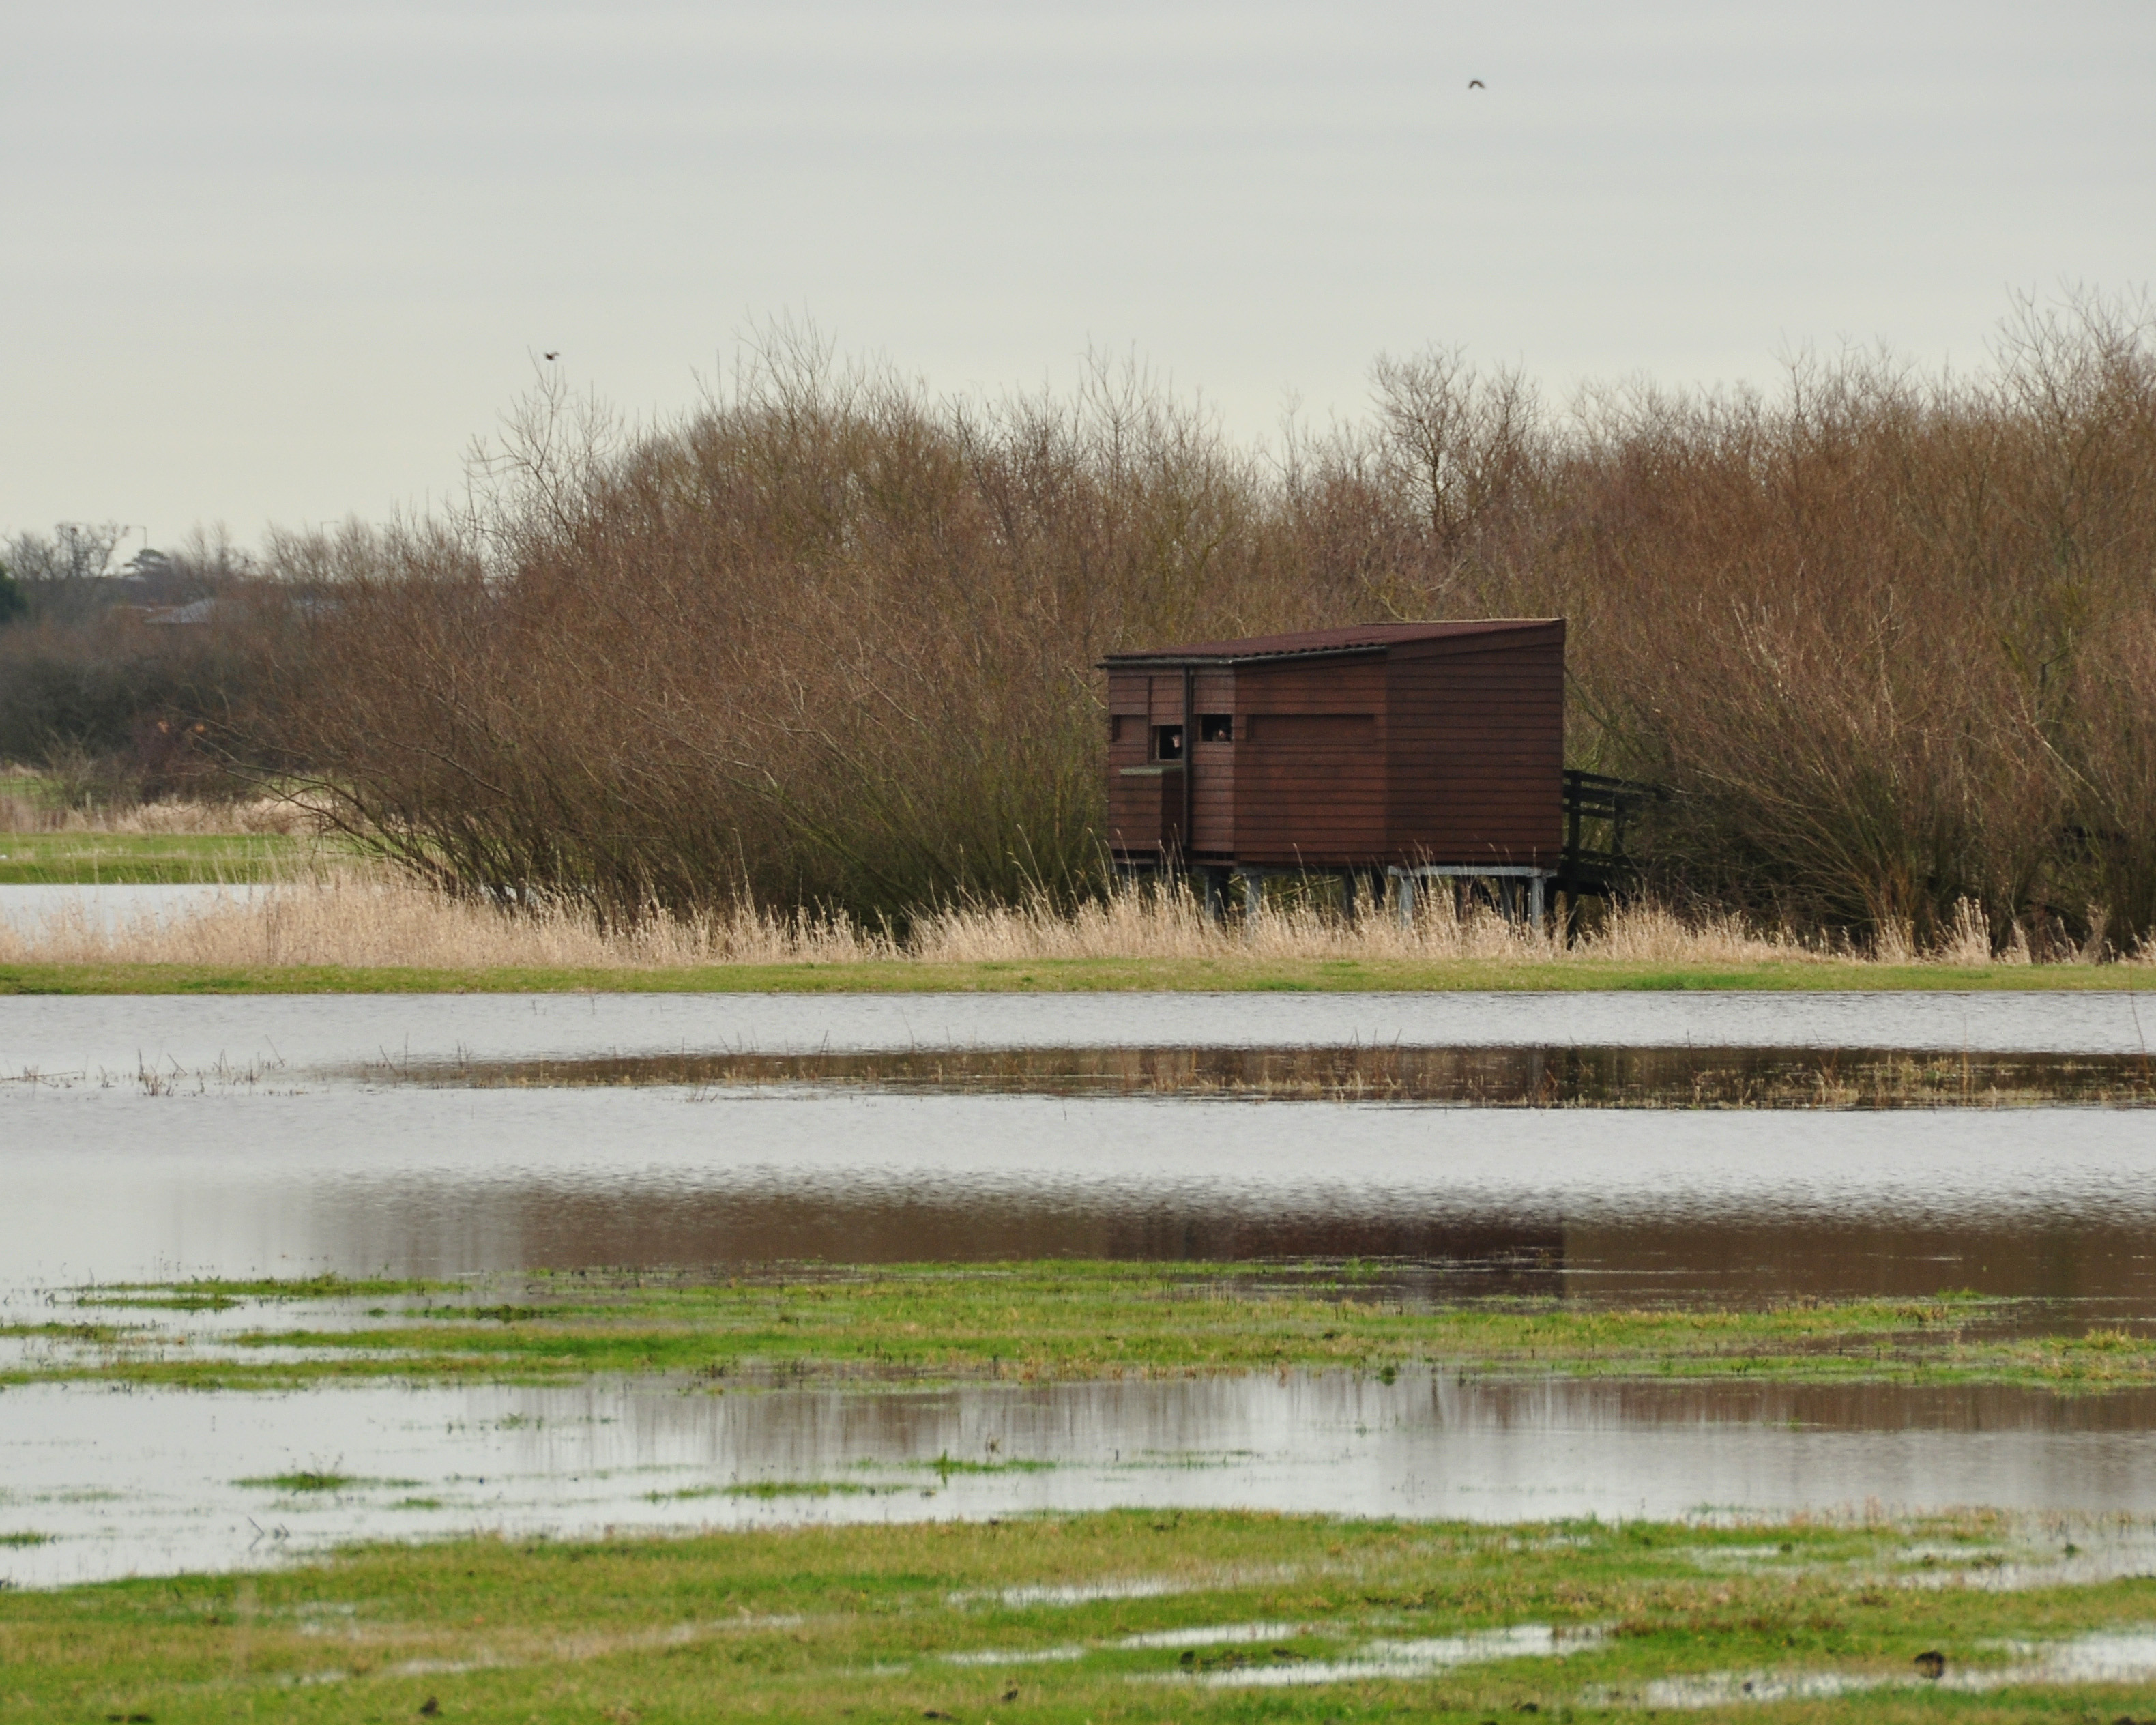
(1043, 1320)
(1040, 1619)
(132, 859)
(308, 1481)
(1075, 976)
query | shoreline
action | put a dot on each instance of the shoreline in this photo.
(1079, 976)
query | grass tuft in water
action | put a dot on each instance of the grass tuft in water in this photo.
(1037, 1321)
(310, 1480)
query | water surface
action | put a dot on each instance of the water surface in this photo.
(151, 1139)
(114, 1182)
(151, 1482)
(296, 1034)
(31, 910)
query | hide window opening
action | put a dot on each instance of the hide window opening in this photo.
(1216, 727)
(1168, 742)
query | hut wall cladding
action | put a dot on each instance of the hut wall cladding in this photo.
(1435, 743)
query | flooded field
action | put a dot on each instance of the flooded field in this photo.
(119, 1481)
(423, 1137)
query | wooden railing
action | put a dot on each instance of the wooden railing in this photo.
(1597, 810)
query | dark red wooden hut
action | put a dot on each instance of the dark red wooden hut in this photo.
(1397, 745)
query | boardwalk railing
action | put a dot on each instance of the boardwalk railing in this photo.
(1597, 810)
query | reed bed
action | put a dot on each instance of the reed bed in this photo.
(360, 919)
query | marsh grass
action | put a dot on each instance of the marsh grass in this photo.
(1116, 1616)
(1056, 1320)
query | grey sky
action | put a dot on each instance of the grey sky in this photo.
(279, 261)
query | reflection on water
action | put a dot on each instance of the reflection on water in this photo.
(242, 1158)
(118, 1034)
(1625, 1204)
(153, 1481)
(1482, 1077)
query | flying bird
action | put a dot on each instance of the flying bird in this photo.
(1472, 83)
(556, 354)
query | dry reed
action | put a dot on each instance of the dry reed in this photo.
(360, 921)
(261, 816)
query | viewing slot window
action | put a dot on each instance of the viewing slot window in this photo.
(1168, 742)
(1216, 727)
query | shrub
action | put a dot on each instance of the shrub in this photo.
(1888, 639)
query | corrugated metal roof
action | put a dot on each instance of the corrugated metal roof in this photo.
(1310, 642)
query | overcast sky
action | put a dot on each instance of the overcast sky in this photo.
(279, 262)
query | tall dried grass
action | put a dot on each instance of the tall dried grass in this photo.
(1889, 640)
(356, 920)
(260, 815)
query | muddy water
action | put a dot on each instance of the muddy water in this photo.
(153, 1482)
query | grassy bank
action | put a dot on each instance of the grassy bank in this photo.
(1024, 1322)
(82, 859)
(1072, 976)
(1116, 1616)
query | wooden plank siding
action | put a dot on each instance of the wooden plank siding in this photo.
(1310, 775)
(1134, 803)
(1212, 769)
(1393, 743)
(1477, 748)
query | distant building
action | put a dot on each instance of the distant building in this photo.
(1413, 750)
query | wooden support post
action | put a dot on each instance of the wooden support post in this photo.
(1403, 898)
(1536, 906)
(1253, 899)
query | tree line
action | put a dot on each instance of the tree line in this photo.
(1887, 637)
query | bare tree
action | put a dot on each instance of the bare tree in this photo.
(1464, 440)
(64, 577)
